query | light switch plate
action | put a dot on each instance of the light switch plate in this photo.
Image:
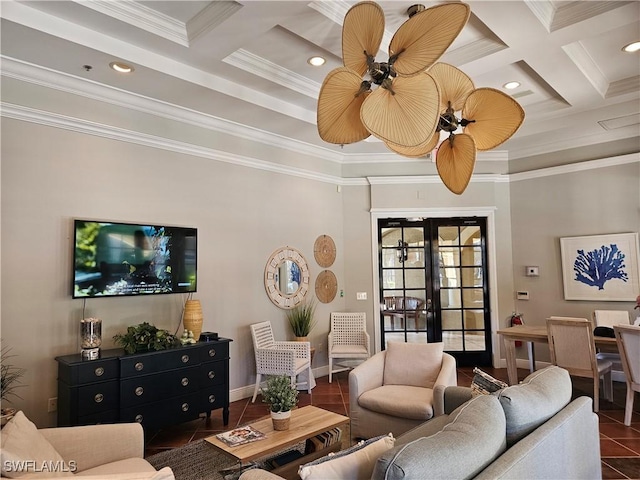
(361, 295)
(522, 295)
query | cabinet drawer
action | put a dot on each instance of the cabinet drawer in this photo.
(96, 397)
(90, 371)
(164, 412)
(214, 397)
(214, 351)
(149, 388)
(110, 416)
(143, 364)
(213, 373)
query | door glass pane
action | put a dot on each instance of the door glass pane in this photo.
(390, 258)
(474, 319)
(473, 297)
(448, 236)
(472, 277)
(390, 237)
(474, 341)
(451, 320)
(415, 257)
(392, 278)
(471, 256)
(470, 235)
(450, 298)
(450, 277)
(417, 337)
(449, 257)
(452, 341)
(414, 278)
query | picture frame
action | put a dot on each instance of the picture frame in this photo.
(601, 267)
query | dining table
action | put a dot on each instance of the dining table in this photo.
(531, 334)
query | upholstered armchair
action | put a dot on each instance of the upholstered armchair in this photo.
(393, 390)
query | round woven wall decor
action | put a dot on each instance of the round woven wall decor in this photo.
(326, 286)
(324, 251)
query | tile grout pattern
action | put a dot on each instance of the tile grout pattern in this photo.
(619, 445)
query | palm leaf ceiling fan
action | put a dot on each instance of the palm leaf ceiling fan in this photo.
(418, 98)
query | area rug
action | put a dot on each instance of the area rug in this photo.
(200, 461)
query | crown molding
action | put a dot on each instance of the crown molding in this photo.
(424, 179)
(576, 167)
(579, 55)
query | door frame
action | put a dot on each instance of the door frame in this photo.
(485, 212)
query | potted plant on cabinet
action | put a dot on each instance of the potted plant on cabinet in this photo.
(9, 381)
(281, 396)
(301, 318)
(145, 337)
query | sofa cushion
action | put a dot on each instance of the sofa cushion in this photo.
(534, 401)
(416, 364)
(472, 439)
(402, 401)
(355, 463)
(25, 451)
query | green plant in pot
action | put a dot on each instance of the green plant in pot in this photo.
(145, 337)
(10, 380)
(302, 319)
(281, 396)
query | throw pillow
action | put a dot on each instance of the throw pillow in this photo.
(355, 463)
(415, 364)
(484, 384)
(25, 451)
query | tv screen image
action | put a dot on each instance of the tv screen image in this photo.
(113, 259)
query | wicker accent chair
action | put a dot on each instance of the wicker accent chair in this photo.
(348, 339)
(279, 357)
(572, 347)
(628, 338)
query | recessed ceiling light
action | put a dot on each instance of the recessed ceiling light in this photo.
(121, 67)
(511, 85)
(316, 61)
(632, 47)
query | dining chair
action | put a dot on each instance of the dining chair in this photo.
(279, 357)
(572, 347)
(609, 318)
(348, 339)
(628, 339)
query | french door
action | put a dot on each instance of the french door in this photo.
(434, 285)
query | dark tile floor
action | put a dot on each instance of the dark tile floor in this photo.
(619, 445)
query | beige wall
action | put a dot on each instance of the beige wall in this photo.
(544, 209)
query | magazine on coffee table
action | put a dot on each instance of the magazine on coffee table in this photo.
(240, 436)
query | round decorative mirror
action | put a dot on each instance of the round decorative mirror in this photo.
(286, 277)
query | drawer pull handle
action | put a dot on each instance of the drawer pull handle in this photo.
(185, 407)
(184, 381)
(211, 374)
(98, 398)
(99, 371)
(139, 391)
(185, 358)
(212, 398)
(139, 366)
(212, 352)
(138, 418)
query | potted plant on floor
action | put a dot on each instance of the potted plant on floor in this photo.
(301, 318)
(9, 381)
(281, 396)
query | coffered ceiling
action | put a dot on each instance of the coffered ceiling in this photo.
(243, 64)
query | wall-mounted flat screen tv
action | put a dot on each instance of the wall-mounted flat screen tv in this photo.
(115, 259)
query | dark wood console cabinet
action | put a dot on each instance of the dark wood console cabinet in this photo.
(154, 388)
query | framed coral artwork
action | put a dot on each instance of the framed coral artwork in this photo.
(601, 267)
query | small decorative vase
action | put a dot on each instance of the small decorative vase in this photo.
(192, 317)
(281, 420)
(301, 339)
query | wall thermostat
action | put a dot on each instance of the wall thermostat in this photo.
(531, 271)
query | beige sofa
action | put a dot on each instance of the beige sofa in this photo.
(98, 452)
(527, 431)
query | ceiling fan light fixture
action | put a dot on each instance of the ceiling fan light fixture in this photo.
(121, 67)
(413, 9)
(511, 85)
(632, 47)
(316, 61)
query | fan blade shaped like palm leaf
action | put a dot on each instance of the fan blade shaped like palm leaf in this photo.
(408, 116)
(455, 160)
(496, 117)
(455, 85)
(421, 40)
(339, 107)
(418, 151)
(362, 31)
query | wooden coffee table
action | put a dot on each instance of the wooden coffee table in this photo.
(306, 422)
